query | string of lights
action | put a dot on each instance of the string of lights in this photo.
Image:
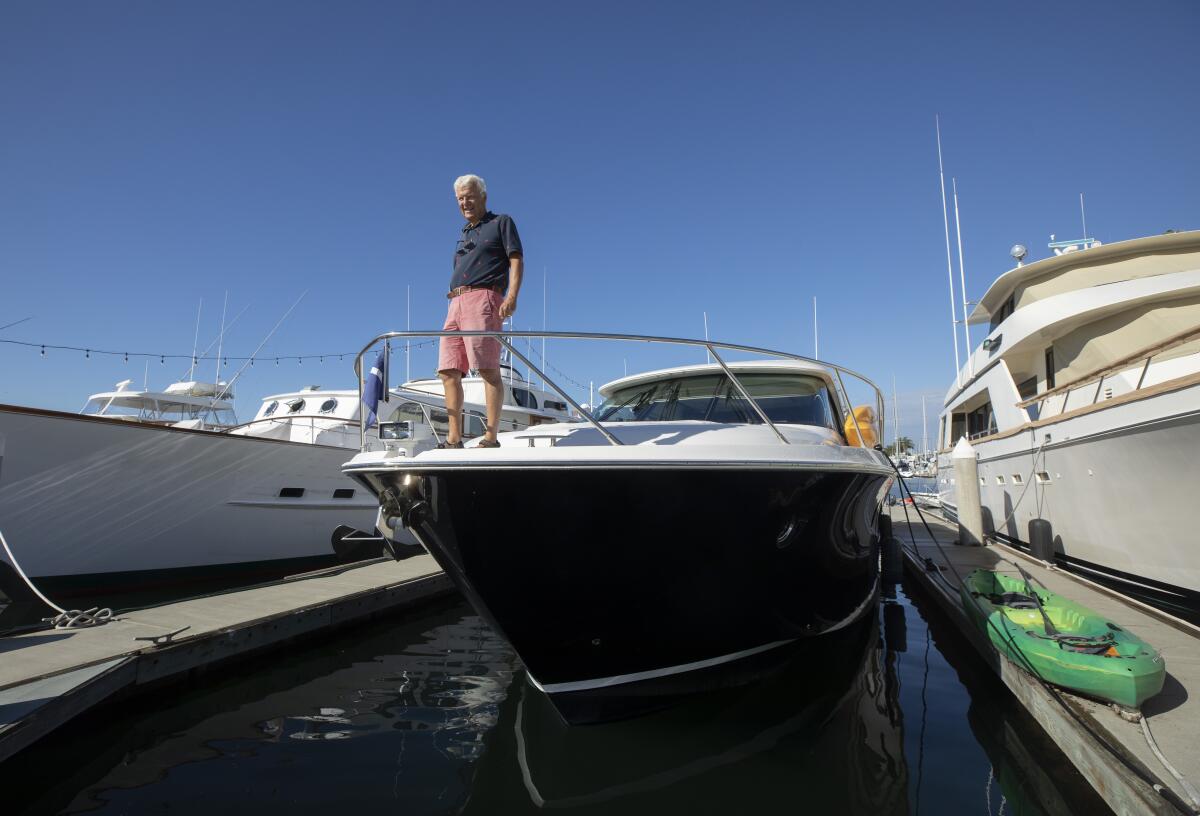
(194, 358)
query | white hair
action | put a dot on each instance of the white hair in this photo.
(471, 180)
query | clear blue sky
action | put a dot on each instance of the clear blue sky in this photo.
(661, 160)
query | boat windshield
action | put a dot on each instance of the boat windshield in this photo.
(791, 398)
(159, 411)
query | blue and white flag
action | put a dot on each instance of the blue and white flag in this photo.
(375, 387)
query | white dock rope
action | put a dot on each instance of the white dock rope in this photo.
(1192, 793)
(65, 619)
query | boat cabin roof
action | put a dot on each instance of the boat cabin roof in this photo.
(1023, 276)
(757, 366)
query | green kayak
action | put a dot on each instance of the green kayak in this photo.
(1065, 643)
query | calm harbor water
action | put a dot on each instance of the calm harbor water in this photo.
(430, 713)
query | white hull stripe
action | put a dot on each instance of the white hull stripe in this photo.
(620, 679)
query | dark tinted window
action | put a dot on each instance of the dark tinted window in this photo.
(800, 399)
(524, 398)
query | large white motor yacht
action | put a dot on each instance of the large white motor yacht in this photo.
(152, 493)
(1083, 405)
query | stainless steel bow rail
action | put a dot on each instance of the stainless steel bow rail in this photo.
(710, 345)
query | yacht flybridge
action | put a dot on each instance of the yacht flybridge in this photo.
(189, 404)
(1083, 405)
(674, 539)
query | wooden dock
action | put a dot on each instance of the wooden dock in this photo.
(49, 676)
(1080, 727)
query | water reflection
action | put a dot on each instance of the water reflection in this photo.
(826, 729)
(431, 714)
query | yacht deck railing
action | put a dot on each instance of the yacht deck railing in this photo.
(711, 346)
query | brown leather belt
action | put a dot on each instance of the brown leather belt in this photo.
(461, 290)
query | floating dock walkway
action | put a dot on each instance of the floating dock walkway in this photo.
(1111, 752)
(51, 675)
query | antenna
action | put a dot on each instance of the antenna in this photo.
(816, 340)
(707, 354)
(408, 327)
(195, 340)
(962, 281)
(15, 323)
(229, 385)
(543, 326)
(221, 339)
(232, 323)
(896, 415)
(1083, 217)
(949, 264)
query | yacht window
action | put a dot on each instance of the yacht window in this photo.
(291, 492)
(958, 428)
(409, 411)
(344, 493)
(295, 406)
(271, 408)
(1007, 308)
(640, 403)
(328, 405)
(473, 426)
(1049, 368)
(524, 398)
(794, 399)
(981, 421)
(554, 405)
(1026, 390)
(785, 397)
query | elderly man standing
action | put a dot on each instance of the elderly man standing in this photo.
(483, 294)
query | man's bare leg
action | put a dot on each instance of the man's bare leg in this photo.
(452, 386)
(493, 391)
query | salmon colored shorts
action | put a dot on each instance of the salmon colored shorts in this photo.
(477, 310)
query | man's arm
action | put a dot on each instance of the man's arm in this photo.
(516, 268)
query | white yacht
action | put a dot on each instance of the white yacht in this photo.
(1083, 405)
(188, 404)
(153, 492)
(702, 519)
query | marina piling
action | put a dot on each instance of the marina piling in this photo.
(966, 474)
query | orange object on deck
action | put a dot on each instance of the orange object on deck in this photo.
(862, 417)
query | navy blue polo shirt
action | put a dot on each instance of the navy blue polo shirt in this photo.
(481, 256)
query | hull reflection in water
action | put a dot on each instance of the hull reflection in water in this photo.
(833, 738)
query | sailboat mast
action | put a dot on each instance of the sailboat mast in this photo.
(408, 327)
(221, 339)
(962, 280)
(949, 263)
(195, 341)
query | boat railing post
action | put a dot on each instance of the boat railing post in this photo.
(1142, 376)
(966, 476)
(746, 394)
(561, 392)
